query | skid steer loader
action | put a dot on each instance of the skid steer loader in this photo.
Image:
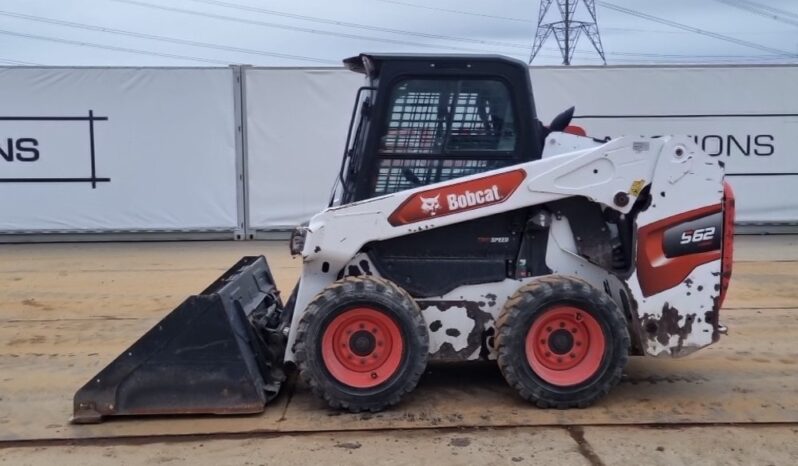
(459, 228)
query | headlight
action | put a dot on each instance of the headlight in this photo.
(297, 242)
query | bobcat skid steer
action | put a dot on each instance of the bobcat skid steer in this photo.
(460, 228)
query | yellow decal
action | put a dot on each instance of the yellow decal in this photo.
(636, 187)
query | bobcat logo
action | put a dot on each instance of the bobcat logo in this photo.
(430, 205)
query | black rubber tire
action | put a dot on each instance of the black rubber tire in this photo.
(516, 319)
(338, 297)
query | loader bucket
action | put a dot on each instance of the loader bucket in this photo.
(219, 352)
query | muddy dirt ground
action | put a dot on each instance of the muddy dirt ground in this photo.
(66, 310)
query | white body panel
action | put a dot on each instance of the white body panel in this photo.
(673, 166)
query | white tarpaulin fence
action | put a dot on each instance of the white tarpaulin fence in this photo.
(297, 122)
(197, 150)
(117, 149)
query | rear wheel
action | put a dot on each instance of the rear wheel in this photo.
(362, 344)
(561, 343)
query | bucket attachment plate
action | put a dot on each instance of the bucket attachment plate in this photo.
(219, 352)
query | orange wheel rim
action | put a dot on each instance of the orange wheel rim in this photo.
(565, 346)
(362, 347)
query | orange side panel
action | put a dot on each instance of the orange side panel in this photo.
(655, 271)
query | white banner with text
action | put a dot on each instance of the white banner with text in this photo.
(117, 149)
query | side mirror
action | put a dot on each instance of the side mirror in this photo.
(561, 121)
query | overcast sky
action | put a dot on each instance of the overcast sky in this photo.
(321, 33)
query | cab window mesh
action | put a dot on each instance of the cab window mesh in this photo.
(442, 129)
(446, 116)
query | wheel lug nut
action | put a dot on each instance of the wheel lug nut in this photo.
(573, 356)
(573, 330)
(548, 329)
(362, 326)
(578, 316)
(562, 324)
(543, 341)
(373, 375)
(559, 359)
(548, 354)
(374, 330)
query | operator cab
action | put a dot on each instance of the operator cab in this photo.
(423, 119)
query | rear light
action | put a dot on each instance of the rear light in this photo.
(727, 247)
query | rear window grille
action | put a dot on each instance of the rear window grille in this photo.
(449, 116)
(414, 126)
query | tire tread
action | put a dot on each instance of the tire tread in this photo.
(542, 290)
(305, 342)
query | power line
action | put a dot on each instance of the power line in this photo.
(459, 12)
(780, 55)
(292, 28)
(694, 29)
(645, 57)
(110, 47)
(89, 27)
(697, 61)
(647, 31)
(672, 55)
(687, 61)
(19, 62)
(353, 25)
(775, 10)
(635, 57)
(758, 11)
(296, 28)
(527, 21)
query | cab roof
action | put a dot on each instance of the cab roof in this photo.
(370, 64)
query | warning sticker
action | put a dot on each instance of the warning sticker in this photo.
(636, 187)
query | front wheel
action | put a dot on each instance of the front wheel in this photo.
(561, 343)
(362, 344)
